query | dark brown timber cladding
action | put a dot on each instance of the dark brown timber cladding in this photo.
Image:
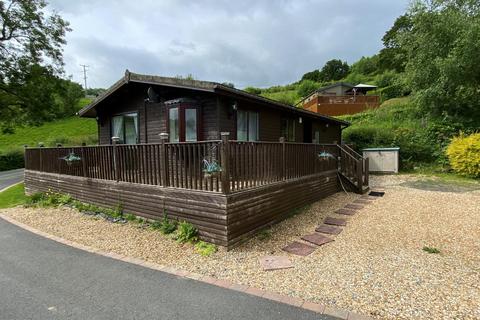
(251, 210)
(206, 210)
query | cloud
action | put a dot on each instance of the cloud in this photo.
(248, 42)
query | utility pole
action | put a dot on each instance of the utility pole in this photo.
(85, 76)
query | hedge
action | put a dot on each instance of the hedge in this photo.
(12, 159)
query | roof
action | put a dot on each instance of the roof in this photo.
(207, 86)
(366, 86)
(333, 85)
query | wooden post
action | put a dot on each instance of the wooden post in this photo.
(115, 158)
(40, 156)
(367, 168)
(359, 174)
(225, 161)
(284, 163)
(164, 159)
(84, 164)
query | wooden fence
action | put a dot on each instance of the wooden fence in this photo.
(242, 165)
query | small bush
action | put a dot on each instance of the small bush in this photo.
(186, 233)
(167, 226)
(205, 249)
(464, 154)
(12, 159)
(431, 250)
(129, 217)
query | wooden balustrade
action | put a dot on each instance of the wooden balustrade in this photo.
(243, 165)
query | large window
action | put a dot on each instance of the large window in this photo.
(183, 123)
(288, 129)
(125, 127)
(247, 125)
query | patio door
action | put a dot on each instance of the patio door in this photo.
(183, 123)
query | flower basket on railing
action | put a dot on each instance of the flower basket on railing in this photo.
(71, 158)
(322, 156)
(211, 168)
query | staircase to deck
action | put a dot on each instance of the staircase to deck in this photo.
(353, 167)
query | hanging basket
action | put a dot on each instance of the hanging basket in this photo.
(325, 156)
(71, 158)
(211, 168)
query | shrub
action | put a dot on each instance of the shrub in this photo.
(12, 159)
(167, 226)
(186, 232)
(464, 154)
(306, 87)
(430, 250)
(205, 249)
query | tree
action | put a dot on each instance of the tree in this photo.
(442, 58)
(312, 75)
(334, 70)
(30, 61)
(393, 56)
(306, 87)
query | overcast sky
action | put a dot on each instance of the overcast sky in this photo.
(246, 42)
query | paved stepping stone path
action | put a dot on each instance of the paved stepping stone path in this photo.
(348, 212)
(335, 221)
(328, 229)
(275, 262)
(299, 248)
(361, 201)
(317, 238)
(376, 193)
(354, 206)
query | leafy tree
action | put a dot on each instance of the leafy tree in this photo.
(312, 75)
(442, 58)
(253, 90)
(94, 91)
(306, 87)
(366, 65)
(30, 61)
(393, 56)
(334, 70)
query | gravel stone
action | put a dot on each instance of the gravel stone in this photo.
(375, 267)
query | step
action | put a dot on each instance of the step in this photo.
(335, 221)
(317, 239)
(328, 229)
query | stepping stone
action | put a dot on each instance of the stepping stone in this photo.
(275, 262)
(299, 248)
(353, 206)
(328, 229)
(335, 221)
(348, 212)
(317, 238)
(367, 197)
(376, 193)
(360, 201)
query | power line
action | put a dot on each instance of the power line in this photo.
(85, 76)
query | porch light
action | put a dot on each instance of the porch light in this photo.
(234, 106)
(115, 139)
(326, 125)
(300, 120)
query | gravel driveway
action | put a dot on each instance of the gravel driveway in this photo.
(376, 266)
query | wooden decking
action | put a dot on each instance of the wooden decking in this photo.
(257, 183)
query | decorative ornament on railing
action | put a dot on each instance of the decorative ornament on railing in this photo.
(211, 167)
(325, 156)
(71, 158)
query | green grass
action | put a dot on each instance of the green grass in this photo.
(69, 131)
(13, 196)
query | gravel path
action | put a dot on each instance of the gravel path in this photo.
(376, 266)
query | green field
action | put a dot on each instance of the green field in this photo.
(69, 131)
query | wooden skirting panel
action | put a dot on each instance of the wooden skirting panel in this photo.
(221, 219)
(252, 210)
(206, 210)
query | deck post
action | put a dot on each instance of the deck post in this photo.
(366, 168)
(284, 166)
(359, 174)
(84, 164)
(40, 156)
(225, 157)
(115, 157)
(164, 159)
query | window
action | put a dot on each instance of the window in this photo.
(125, 127)
(183, 123)
(288, 129)
(247, 125)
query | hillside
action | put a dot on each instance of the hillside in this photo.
(68, 131)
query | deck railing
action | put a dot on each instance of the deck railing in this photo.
(237, 165)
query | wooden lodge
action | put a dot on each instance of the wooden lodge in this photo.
(341, 98)
(229, 162)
